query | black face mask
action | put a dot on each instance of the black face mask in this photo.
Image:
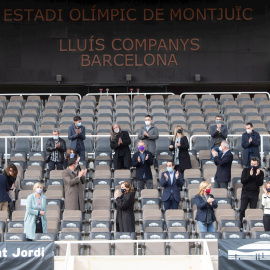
(123, 190)
(255, 167)
(179, 131)
(268, 189)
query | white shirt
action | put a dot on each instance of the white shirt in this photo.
(171, 177)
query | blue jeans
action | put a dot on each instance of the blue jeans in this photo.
(206, 228)
(216, 148)
(171, 203)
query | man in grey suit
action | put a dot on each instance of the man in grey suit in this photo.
(218, 134)
(149, 134)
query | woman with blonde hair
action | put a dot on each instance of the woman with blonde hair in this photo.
(35, 216)
(179, 146)
(206, 204)
(266, 205)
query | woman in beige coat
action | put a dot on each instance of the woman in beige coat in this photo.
(73, 183)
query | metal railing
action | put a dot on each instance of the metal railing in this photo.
(129, 94)
(232, 136)
(45, 94)
(206, 262)
(133, 141)
(222, 93)
(41, 138)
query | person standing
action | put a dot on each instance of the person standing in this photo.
(73, 183)
(35, 220)
(124, 200)
(143, 160)
(206, 204)
(70, 154)
(120, 142)
(171, 181)
(224, 165)
(4, 196)
(179, 145)
(55, 149)
(218, 134)
(266, 206)
(10, 173)
(76, 133)
(251, 141)
(149, 134)
(252, 179)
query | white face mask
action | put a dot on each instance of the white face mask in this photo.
(248, 131)
(116, 130)
(220, 148)
(147, 123)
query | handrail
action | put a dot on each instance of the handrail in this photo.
(131, 135)
(44, 94)
(206, 263)
(128, 94)
(61, 136)
(232, 135)
(221, 93)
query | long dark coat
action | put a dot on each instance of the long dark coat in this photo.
(125, 218)
(122, 149)
(184, 158)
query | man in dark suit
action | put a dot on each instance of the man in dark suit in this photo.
(218, 134)
(252, 180)
(143, 160)
(76, 133)
(172, 181)
(224, 165)
(251, 141)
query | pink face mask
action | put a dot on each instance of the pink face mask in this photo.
(208, 190)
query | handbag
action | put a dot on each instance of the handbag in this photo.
(38, 224)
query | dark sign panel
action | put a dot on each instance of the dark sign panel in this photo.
(27, 255)
(246, 254)
(95, 42)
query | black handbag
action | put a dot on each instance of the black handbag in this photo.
(38, 224)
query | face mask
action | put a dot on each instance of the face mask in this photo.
(116, 130)
(38, 190)
(147, 123)
(72, 155)
(55, 138)
(220, 149)
(218, 122)
(141, 148)
(123, 190)
(248, 131)
(268, 189)
(254, 167)
(208, 190)
(79, 124)
(179, 131)
(170, 169)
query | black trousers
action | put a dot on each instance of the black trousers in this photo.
(252, 200)
(266, 222)
(220, 184)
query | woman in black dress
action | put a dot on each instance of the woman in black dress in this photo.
(179, 145)
(125, 218)
(120, 142)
